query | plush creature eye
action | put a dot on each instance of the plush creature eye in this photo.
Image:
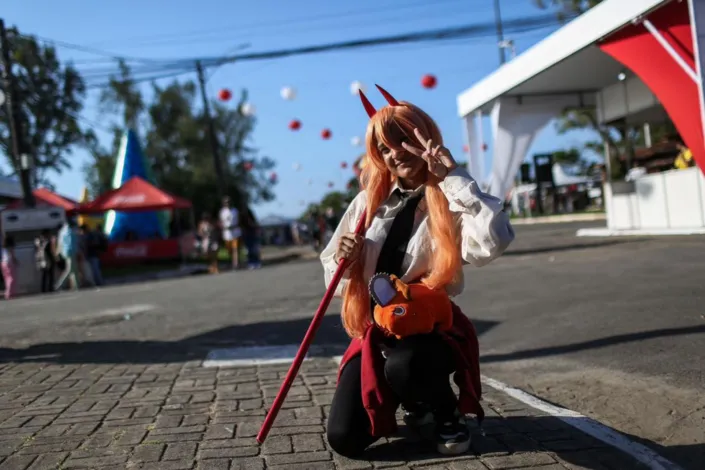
(399, 311)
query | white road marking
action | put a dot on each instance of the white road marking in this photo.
(251, 356)
(589, 426)
(124, 310)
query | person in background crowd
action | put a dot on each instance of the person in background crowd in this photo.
(315, 230)
(68, 248)
(208, 232)
(85, 273)
(295, 233)
(45, 256)
(229, 222)
(685, 156)
(96, 244)
(250, 232)
(331, 219)
(9, 264)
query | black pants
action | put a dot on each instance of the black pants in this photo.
(417, 369)
(48, 279)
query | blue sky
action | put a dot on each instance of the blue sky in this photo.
(184, 28)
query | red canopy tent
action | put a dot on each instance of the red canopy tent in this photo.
(136, 195)
(45, 197)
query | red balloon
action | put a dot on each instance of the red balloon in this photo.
(429, 81)
(224, 94)
(330, 185)
(295, 125)
(484, 146)
(248, 166)
(326, 134)
(273, 177)
(466, 149)
(344, 165)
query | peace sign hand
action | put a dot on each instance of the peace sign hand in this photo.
(440, 161)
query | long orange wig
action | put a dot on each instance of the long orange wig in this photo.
(391, 126)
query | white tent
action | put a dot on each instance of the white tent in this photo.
(565, 69)
(636, 60)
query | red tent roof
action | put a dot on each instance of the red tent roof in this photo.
(136, 195)
(45, 197)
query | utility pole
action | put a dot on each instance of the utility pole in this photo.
(500, 32)
(217, 165)
(19, 156)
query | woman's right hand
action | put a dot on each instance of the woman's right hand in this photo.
(349, 247)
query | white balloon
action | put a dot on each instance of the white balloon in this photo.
(356, 87)
(356, 141)
(248, 109)
(296, 166)
(288, 93)
(2, 98)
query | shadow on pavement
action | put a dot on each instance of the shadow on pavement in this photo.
(573, 246)
(592, 344)
(331, 335)
(529, 441)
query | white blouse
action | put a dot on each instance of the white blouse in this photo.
(484, 228)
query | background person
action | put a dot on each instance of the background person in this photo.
(9, 264)
(68, 241)
(230, 224)
(45, 257)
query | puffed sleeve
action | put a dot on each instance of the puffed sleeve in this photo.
(485, 228)
(347, 224)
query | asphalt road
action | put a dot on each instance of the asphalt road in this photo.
(613, 328)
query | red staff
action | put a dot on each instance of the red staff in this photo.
(306, 343)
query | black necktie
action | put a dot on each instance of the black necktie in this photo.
(393, 250)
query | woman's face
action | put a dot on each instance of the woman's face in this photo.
(401, 163)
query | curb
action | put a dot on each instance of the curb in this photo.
(557, 219)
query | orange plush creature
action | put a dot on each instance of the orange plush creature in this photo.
(404, 310)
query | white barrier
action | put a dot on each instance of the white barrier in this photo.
(671, 202)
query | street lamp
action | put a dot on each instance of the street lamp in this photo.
(622, 77)
(508, 44)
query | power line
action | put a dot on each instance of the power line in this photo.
(182, 66)
(277, 24)
(87, 49)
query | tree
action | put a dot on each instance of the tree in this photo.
(567, 8)
(121, 97)
(621, 138)
(177, 143)
(49, 96)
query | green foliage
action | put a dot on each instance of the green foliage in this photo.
(176, 141)
(49, 97)
(621, 139)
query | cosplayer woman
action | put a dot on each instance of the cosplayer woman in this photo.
(425, 218)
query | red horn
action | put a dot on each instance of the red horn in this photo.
(390, 99)
(371, 111)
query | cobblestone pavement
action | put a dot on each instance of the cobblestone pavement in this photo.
(182, 415)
